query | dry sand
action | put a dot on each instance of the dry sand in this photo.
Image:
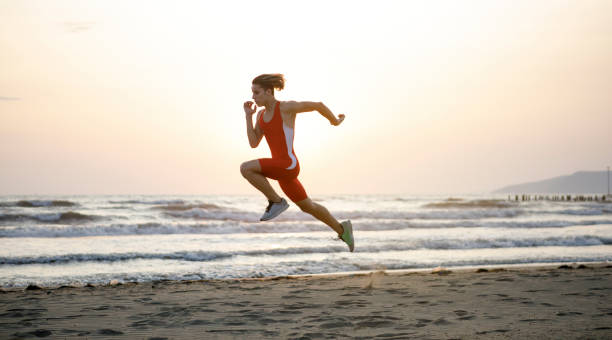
(517, 302)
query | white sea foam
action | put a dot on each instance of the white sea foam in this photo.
(406, 244)
(94, 238)
(234, 227)
(146, 270)
(149, 202)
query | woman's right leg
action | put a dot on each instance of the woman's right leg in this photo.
(251, 170)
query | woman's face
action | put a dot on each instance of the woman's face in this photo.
(259, 95)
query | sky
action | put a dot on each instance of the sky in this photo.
(440, 97)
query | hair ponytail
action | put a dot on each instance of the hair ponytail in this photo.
(270, 81)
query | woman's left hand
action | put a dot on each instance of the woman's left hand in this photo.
(339, 120)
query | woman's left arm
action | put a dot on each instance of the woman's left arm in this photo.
(294, 107)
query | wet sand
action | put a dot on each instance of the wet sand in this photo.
(550, 302)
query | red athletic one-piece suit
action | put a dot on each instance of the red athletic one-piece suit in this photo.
(283, 166)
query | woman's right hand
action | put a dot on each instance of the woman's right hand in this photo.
(249, 108)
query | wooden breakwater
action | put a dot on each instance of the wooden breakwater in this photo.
(561, 198)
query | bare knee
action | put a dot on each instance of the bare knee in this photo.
(248, 168)
(244, 169)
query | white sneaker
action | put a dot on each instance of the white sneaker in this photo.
(274, 209)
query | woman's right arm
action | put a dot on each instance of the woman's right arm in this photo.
(254, 134)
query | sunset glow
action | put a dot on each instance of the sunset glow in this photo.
(440, 97)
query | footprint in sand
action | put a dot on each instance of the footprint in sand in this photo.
(351, 303)
(40, 333)
(534, 320)
(21, 312)
(469, 317)
(568, 313)
(505, 279)
(480, 283)
(147, 323)
(197, 322)
(442, 321)
(336, 324)
(374, 323)
(108, 331)
(493, 331)
(461, 312)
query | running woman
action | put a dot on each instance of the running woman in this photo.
(277, 123)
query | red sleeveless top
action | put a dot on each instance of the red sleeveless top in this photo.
(279, 138)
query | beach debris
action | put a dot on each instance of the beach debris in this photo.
(441, 271)
(482, 270)
(582, 266)
(565, 266)
(33, 287)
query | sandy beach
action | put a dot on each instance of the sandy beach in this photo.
(552, 301)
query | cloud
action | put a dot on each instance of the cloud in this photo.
(78, 26)
(9, 98)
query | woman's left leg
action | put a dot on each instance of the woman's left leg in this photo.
(295, 191)
(320, 213)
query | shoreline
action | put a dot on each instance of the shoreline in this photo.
(454, 269)
(550, 301)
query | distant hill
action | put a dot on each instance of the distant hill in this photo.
(581, 182)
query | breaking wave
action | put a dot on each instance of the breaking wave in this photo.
(233, 227)
(38, 203)
(65, 217)
(476, 243)
(460, 203)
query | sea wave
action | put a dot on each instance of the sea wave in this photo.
(229, 227)
(234, 227)
(237, 215)
(470, 204)
(184, 207)
(152, 202)
(304, 267)
(221, 215)
(206, 213)
(475, 243)
(63, 217)
(38, 203)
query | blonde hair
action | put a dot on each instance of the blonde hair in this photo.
(270, 81)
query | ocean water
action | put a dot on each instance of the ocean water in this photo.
(75, 240)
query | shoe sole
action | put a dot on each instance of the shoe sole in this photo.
(278, 213)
